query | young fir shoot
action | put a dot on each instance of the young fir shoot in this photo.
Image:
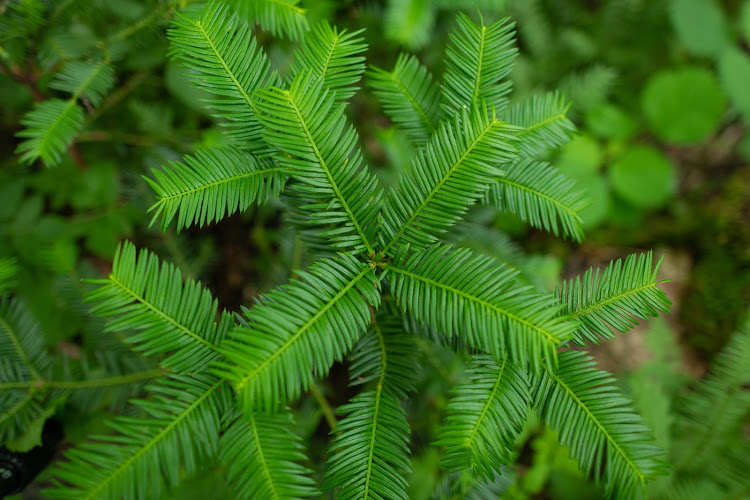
(383, 263)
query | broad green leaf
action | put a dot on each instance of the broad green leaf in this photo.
(683, 105)
(409, 22)
(734, 72)
(644, 177)
(700, 26)
(597, 190)
(581, 157)
(745, 20)
(608, 121)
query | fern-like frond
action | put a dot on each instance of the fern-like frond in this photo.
(614, 298)
(482, 305)
(494, 243)
(263, 458)
(319, 149)
(297, 331)
(468, 486)
(485, 417)
(542, 196)
(543, 118)
(283, 18)
(409, 23)
(169, 315)
(334, 56)
(459, 164)
(23, 359)
(211, 185)
(109, 377)
(177, 435)
(591, 417)
(50, 128)
(589, 87)
(21, 19)
(409, 97)
(386, 355)
(52, 125)
(370, 454)
(227, 62)
(21, 342)
(18, 407)
(713, 414)
(8, 270)
(478, 60)
(82, 79)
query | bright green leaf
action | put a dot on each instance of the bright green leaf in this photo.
(700, 26)
(684, 105)
(580, 158)
(597, 190)
(745, 20)
(734, 72)
(644, 177)
(409, 22)
(610, 122)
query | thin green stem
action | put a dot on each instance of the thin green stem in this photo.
(288, 5)
(541, 124)
(262, 457)
(468, 443)
(164, 11)
(600, 305)
(325, 406)
(478, 75)
(376, 410)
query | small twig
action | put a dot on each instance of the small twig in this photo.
(119, 94)
(324, 405)
(25, 78)
(77, 157)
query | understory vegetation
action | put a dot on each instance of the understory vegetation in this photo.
(375, 250)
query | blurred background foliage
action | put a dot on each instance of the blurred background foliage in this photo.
(660, 91)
